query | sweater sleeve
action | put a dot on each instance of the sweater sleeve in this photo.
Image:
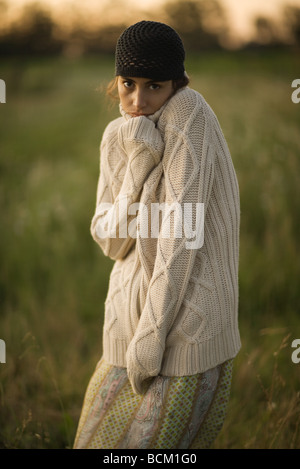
(188, 169)
(137, 142)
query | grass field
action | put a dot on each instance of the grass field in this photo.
(54, 278)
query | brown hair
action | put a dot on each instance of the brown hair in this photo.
(112, 86)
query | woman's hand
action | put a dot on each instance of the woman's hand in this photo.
(140, 133)
(143, 367)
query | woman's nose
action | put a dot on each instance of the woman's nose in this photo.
(139, 99)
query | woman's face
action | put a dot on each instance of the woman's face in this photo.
(142, 96)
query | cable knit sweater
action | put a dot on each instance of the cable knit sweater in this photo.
(171, 309)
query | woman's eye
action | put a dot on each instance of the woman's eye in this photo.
(127, 84)
(154, 86)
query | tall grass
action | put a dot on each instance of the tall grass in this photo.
(54, 278)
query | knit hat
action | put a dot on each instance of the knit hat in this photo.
(149, 49)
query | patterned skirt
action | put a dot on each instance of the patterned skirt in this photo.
(175, 413)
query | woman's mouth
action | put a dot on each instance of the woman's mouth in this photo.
(138, 114)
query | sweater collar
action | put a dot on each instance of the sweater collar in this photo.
(154, 117)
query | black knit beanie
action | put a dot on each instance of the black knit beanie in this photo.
(149, 49)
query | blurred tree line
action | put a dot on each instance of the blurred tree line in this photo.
(201, 24)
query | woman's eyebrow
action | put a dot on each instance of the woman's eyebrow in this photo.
(146, 82)
(126, 78)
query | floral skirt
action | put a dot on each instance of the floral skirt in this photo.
(184, 412)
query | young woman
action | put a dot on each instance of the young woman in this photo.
(168, 212)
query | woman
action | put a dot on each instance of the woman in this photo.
(171, 329)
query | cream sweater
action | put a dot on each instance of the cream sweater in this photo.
(171, 307)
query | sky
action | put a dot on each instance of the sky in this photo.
(240, 13)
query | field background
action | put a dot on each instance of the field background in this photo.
(54, 278)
